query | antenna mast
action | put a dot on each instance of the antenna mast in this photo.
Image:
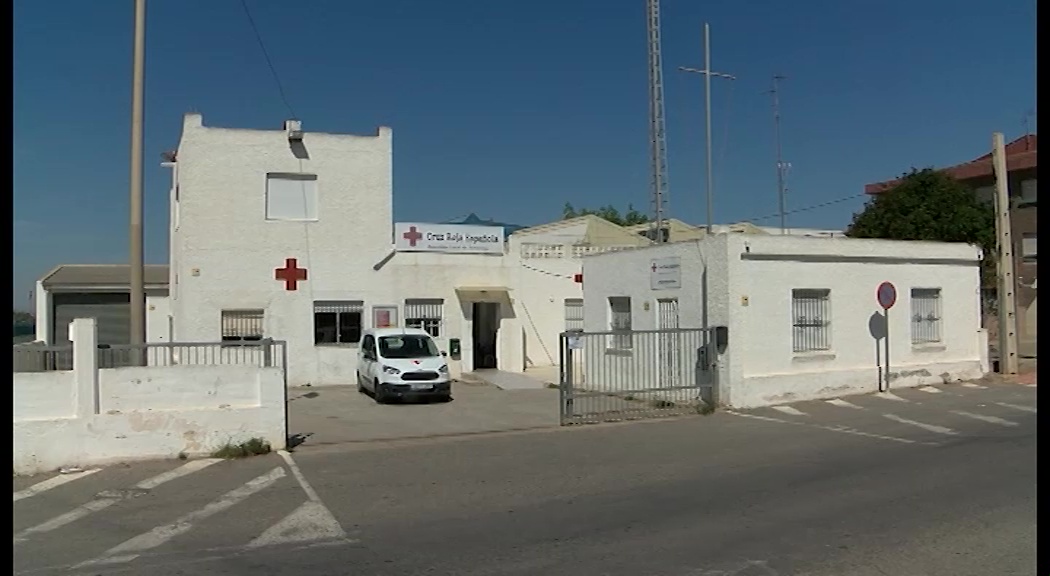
(781, 165)
(657, 137)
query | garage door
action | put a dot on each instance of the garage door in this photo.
(112, 312)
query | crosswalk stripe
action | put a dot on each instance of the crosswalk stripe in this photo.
(130, 549)
(843, 404)
(51, 483)
(930, 389)
(789, 410)
(928, 427)
(105, 501)
(1016, 407)
(983, 418)
(972, 385)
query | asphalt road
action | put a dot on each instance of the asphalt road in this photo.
(919, 484)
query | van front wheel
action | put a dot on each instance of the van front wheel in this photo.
(379, 393)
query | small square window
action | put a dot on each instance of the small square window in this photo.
(338, 323)
(291, 197)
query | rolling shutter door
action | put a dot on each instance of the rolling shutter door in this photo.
(112, 312)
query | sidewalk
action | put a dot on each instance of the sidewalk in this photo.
(339, 414)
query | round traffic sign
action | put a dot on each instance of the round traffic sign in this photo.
(886, 295)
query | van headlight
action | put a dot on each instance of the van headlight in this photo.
(443, 369)
(391, 370)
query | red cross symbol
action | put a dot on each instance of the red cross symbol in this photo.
(412, 236)
(291, 274)
(654, 267)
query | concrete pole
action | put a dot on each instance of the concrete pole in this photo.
(137, 262)
(1007, 304)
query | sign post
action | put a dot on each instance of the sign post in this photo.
(886, 295)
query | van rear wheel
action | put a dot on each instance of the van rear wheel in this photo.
(360, 387)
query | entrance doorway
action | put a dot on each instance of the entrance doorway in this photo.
(486, 326)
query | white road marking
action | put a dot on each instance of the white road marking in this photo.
(51, 483)
(311, 521)
(929, 427)
(983, 418)
(130, 549)
(1016, 407)
(789, 410)
(103, 502)
(930, 389)
(972, 385)
(890, 396)
(843, 404)
(840, 429)
(1030, 385)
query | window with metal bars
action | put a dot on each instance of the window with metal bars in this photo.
(338, 322)
(425, 313)
(811, 319)
(925, 315)
(573, 314)
(242, 325)
(620, 321)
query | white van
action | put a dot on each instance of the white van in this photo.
(400, 363)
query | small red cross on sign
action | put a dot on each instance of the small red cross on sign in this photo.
(291, 274)
(412, 236)
(654, 267)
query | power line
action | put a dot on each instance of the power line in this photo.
(808, 208)
(266, 54)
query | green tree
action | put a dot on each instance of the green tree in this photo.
(929, 205)
(629, 218)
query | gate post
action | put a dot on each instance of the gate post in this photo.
(566, 384)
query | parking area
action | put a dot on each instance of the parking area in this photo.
(339, 414)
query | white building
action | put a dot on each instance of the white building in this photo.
(289, 235)
(801, 313)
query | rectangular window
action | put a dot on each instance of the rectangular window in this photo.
(242, 325)
(573, 314)
(1029, 190)
(425, 313)
(338, 322)
(620, 321)
(1028, 246)
(811, 320)
(925, 315)
(291, 196)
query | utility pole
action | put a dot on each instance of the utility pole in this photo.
(135, 238)
(657, 126)
(707, 72)
(1008, 360)
(781, 166)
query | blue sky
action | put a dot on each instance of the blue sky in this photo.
(510, 109)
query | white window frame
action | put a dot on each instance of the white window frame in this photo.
(241, 325)
(1029, 246)
(1029, 192)
(282, 189)
(343, 310)
(926, 317)
(620, 321)
(810, 320)
(573, 314)
(425, 313)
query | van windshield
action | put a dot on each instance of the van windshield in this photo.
(407, 346)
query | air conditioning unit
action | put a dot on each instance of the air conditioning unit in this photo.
(294, 128)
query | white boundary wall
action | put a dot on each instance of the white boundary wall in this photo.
(89, 416)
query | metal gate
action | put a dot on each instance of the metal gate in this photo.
(628, 375)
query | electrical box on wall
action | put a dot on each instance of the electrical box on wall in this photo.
(454, 348)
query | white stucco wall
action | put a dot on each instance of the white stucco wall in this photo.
(764, 270)
(90, 417)
(749, 284)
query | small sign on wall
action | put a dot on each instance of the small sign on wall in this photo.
(384, 316)
(665, 273)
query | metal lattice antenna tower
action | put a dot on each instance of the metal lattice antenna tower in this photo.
(657, 137)
(781, 165)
